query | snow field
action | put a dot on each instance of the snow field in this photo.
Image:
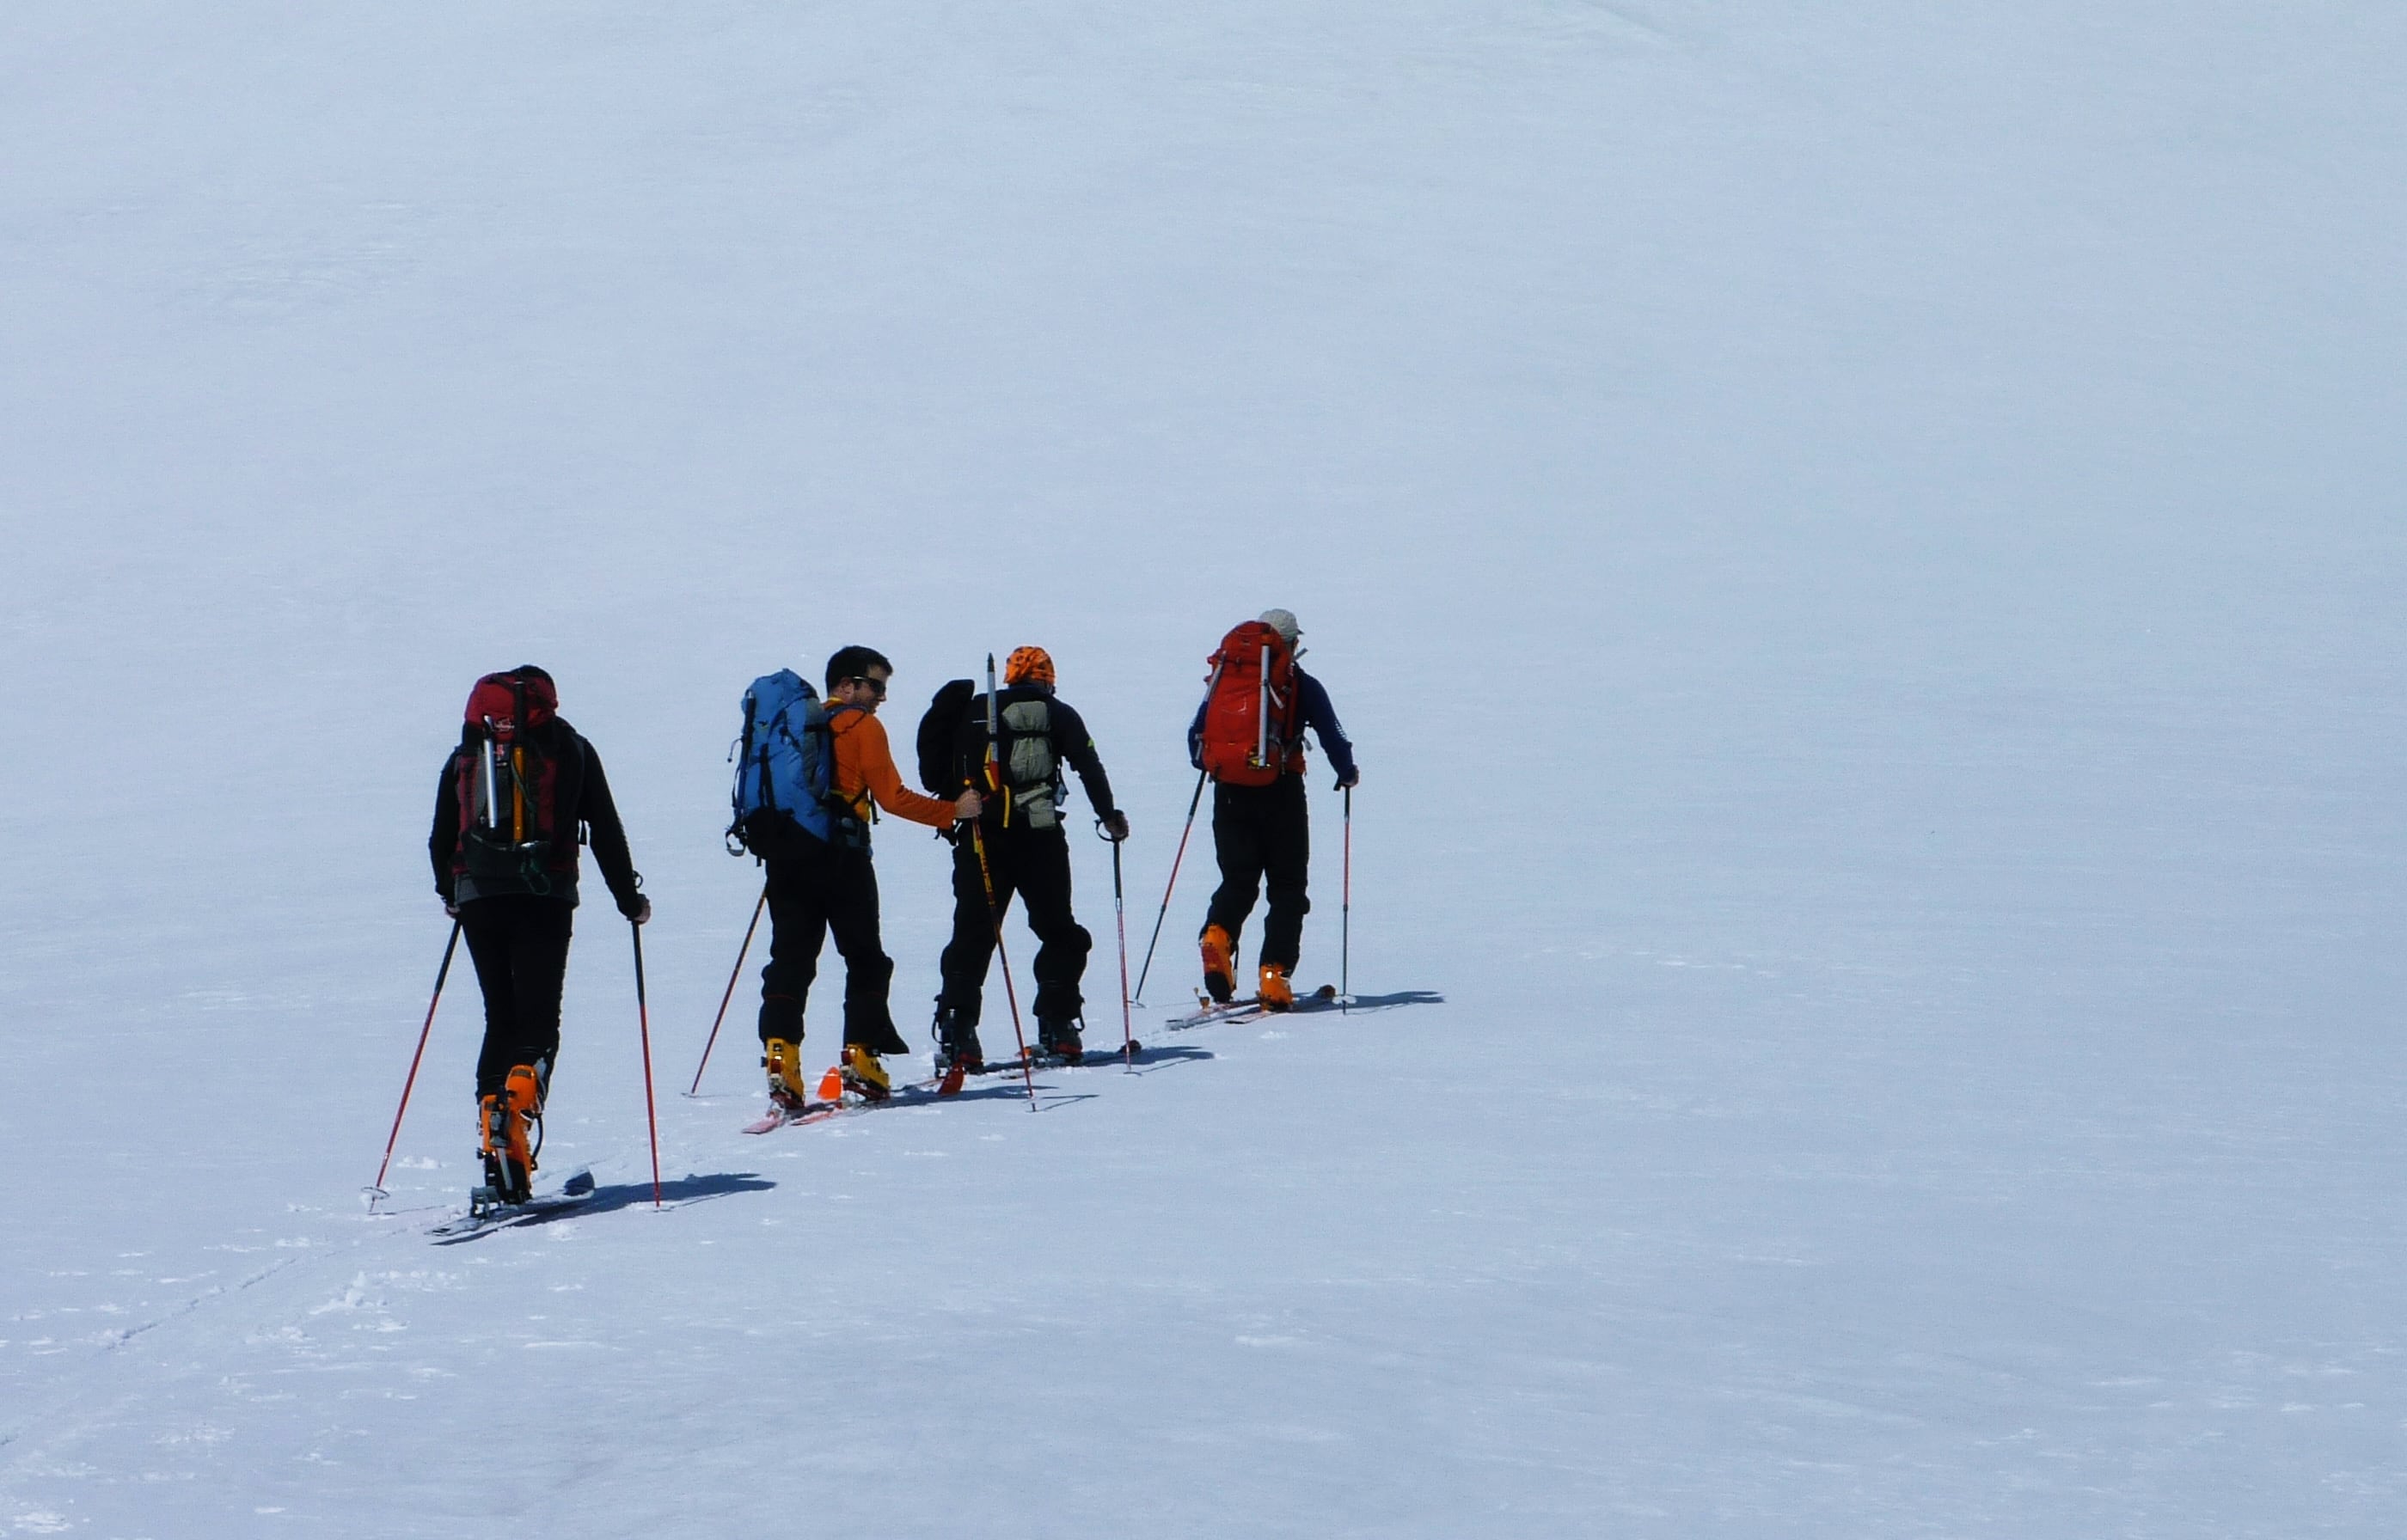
(1857, 547)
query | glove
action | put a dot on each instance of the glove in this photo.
(450, 908)
(1115, 827)
(635, 906)
(1349, 781)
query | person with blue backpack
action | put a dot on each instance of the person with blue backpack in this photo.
(810, 774)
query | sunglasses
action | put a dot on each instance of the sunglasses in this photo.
(876, 686)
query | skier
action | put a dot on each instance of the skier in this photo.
(1020, 847)
(830, 885)
(1248, 736)
(518, 795)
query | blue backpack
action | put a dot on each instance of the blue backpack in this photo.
(783, 763)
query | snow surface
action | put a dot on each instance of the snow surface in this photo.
(1858, 542)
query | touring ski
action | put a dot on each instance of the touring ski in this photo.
(483, 1216)
(1251, 1008)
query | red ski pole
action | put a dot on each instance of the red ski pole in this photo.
(440, 974)
(736, 973)
(644, 1022)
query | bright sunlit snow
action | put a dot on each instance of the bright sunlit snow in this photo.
(1860, 546)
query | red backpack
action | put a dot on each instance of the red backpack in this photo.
(1250, 717)
(512, 785)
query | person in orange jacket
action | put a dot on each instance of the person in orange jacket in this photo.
(834, 888)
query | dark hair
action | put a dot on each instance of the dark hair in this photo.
(855, 663)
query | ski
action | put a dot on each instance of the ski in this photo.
(1252, 1009)
(577, 1189)
(914, 1094)
(779, 1114)
(1209, 1014)
(1089, 1059)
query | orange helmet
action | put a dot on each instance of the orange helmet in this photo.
(1029, 666)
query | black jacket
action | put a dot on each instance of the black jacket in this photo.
(592, 818)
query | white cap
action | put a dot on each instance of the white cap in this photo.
(1283, 622)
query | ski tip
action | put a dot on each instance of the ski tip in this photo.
(579, 1185)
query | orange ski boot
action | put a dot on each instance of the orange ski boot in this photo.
(502, 1141)
(1276, 993)
(1219, 965)
(525, 1089)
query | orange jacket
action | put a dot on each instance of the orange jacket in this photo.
(864, 768)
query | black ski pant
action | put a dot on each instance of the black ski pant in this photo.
(519, 944)
(1034, 862)
(1264, 838)
(832, 889)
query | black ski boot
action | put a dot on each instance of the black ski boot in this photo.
(1059, 1037)
(957, 1043)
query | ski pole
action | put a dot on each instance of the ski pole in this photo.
(644, 1022)
(1192, 803)
(985, 878)
(1027, 1067)
(736, 973)
(440, 974)
(1345, 913)
(1119, 923)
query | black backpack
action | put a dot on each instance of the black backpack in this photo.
(942, 732)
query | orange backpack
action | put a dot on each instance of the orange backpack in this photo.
(1250, 727)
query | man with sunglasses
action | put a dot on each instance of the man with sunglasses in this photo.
(835, 889)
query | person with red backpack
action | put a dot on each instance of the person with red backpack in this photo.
(1249, 737)
(521, 791)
